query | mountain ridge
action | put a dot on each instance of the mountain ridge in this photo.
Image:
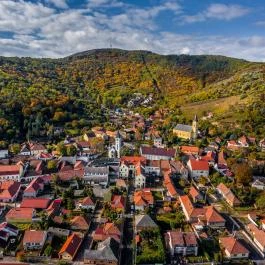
(68, 90)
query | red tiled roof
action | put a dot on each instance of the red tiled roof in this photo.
(213, 216)
(189, 149)
(199, 165)
(118, 202)
(158, 151)
(80, 223)
(87, 201)
(8, 189)
(35, 203)
(9, 170)
(233, 245)
(20, 213)
(70, 174)
(71, 245)
(34, 236)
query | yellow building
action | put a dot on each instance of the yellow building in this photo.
(187, 131)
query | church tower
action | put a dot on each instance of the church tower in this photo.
(195, 127)
(118, 144)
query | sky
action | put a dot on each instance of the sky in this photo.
(58, 28)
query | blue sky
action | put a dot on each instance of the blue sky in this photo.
(57, 28)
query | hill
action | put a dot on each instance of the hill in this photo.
(37, 95)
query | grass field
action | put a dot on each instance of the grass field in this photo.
(217, 106)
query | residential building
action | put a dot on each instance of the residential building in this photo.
(198, 168)
(140, 178)
(79, 223)
(34, 240)
(97, 176)
(143, 222)
(4, 153)
(189, 150)
(11, 172)
(35, 187)
(182, 243)
(86, 204)
(143, 199)
(118, 203)
(70, 247)
(233, 248)
(107, 253)
(128, 166)
(228, 195)
(258, 237)
(195, 194)
(152, 153)
(257, 184)
(9, 191)
(35, 203)
(20, 215)
(106, 230)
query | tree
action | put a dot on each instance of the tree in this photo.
(71, 150)
(61, 148)
(15, 148)
(48, 251)
(51, 164)
(260, 202)
(243, 173)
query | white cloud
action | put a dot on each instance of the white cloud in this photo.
(58, 3)
(40, 31)
(218, 11)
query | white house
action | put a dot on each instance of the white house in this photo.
(3, 154)
(233, 248)
(198, 168)
(140, 179)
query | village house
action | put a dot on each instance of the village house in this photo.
(7, 232)
(258, 237)
(35, 203)
(228, 195)
(152, 153)
(153, 167)
(187, 131)
(106, 230)
(143, 222)
(97, 176)
(233, 248)
(195, 194)
(11, 172)
(258, 184)
(140, 178)
(9, 191)
(86, 204)
(35, 187)
(143, 199)
(128, 164)
(79, 223)
(189, 150)
(118, 203)
(198, 168)
(179, 169)
(20, 215)
(70, 247)
(201, 217)
(107, 253)
(262, 144)
(181, 243)
(4, 153)
(34, 240)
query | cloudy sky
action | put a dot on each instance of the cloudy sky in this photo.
(57, 28)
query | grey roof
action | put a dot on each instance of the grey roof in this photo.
(97, 170)
(107, 250)
(144, 220)
(183, 127)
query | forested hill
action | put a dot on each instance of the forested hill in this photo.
(37, 95)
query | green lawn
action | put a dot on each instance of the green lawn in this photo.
(151, 248)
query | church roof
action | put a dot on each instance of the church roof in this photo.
(183, 127)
